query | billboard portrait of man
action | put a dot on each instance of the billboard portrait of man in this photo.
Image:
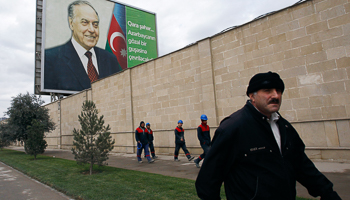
(73, 66)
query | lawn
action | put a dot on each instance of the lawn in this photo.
(109, 183)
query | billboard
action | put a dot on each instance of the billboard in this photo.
(83, 41)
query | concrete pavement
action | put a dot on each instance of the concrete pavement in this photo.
(338, 173)
(14, 185)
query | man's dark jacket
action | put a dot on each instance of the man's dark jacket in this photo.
(141, 134)
(203, 134)
(150, 135)
(63, 69)
(245, 156)
(179, 134)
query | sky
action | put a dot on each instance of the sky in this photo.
(179, 23)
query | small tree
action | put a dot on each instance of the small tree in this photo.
(35, 143)
(93, 141)
(24, 108)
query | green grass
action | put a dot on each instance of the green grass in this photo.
(110, 183)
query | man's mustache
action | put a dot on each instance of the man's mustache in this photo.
(274, 101)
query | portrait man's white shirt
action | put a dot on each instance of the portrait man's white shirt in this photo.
(81, 53)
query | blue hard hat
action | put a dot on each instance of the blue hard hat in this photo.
(204, 117)
(148, 124)
(180, 122)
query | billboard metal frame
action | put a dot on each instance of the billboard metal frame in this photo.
(38, 44)
(40, 48)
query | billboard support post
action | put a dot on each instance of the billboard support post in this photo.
(55, 96)
(38, 42)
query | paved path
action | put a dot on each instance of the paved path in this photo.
(16, 186)
(338, 173)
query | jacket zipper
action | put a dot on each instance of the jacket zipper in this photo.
(256, 188)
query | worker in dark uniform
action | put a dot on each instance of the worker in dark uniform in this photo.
(150, 140)
(203, 133)
(258, 154)
(180, 142)
(141, 135)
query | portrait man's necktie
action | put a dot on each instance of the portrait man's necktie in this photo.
(92, 72)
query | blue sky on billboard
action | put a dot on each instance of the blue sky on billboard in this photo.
(179, 23)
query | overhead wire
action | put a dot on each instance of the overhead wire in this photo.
(257, 18)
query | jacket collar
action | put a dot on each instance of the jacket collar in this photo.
(204, 125)
(256, 113)
(281, 123)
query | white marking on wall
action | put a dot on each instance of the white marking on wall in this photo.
(310, 79)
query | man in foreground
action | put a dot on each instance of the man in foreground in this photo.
(258, 154)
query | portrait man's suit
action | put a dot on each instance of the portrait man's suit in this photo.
(64, 71)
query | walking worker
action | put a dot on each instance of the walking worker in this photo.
(180, 142)
(150, 140)
(141, 135)
(258, 154)
(203, 133)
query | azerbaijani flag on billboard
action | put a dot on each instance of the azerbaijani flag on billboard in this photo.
(116, 40)
(132, 36)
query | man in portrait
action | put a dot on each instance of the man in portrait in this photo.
(74, 65)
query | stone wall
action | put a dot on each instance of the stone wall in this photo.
(307, 44)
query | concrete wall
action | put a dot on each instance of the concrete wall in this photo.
(307, 44)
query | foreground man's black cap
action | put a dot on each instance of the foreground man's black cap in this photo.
(266, 80)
